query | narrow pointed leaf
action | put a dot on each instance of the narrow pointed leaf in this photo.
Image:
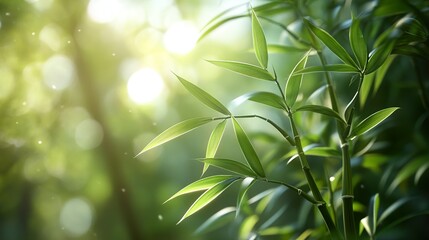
(323, 152)
(214, 142)
(230, 165)
(275, 48)
(247, 227)
(372, 121)
(247, 149)
(407, 171)
(259, 41)
(215, 25)
(373, 213)
(217, 220)
(321, 110)
(208, 196)
(381, 72)
(176, 131)
(331, 43)
(365, 224)
(200, 185)
(245, 186)
(340, 68)
(266, 98)
(358, 43)
(293, 83)
(378, 56)
(204, 97)
(245, 69)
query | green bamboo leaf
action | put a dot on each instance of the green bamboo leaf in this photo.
(275, 48)
(259, 41)
(176, 131)
(203, 96)
(331, 43)
(293, 83)
(245, 69)
(407, 171)
(215, 25)
(323, 152)
(381, 72)
(200, 185)
(245, 186)
(341, 68)
(276, 231)
(266, 98)
(208, 196)
(358, 43)
(230, 165)
(373, 213)
(372, 121)
(214, 142)
(378, 56)
(392, 208)
(248, 150)
(321, 110)
(247, 227)
(217, 220)
(365, 225)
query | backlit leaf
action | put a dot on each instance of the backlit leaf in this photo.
(381, 72)
(200, 185)
(358, 43)
(365, 88)
(259, 41)
(208, 196)
(378, 56)
(372, 121)
(293, 83)
(275, 48)
(267, 98)
(245, 186)
(341, 68)
(373, 213)
(176, 131)
(247, 227)
(204, 97)
(230, 165)
(331, 43)
(215, 25)
(321, 110)
(245, 69)
(214, 142)
(217, 220)
(247, 149)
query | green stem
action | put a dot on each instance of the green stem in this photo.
(335, 234)
(299, 191)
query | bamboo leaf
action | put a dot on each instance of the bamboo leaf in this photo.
(247, 227)
(208, 196)
(381, 72)
(245, 69)
(204, 97)
(366, 87)
(247, 149)
(259, 41)
(358, 43)
(245, 186)
(266, 98)
(176, 131)
(407, 171)
(373, 213)
(321, 110)
(275, 48)
(214, 142)
(213, 26)
(331, 43)
(200, 185)
(293, 83)
(217, 220)
(341, 68)
(230, 165)
(372, 121)
(323, 152)
(378, 56)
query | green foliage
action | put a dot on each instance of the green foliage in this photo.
(314, 94)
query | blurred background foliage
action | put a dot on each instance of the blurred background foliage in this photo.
(84, 85)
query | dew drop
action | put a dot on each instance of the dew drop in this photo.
(332, 178)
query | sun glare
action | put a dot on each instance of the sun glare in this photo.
(180, 37)
(145, 85)
(103, 11)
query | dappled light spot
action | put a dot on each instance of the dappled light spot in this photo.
(103, 11)
(51, 36)
(181, 37)
(88, 134)
(76, 217)
(145, 85)
(58, 71)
